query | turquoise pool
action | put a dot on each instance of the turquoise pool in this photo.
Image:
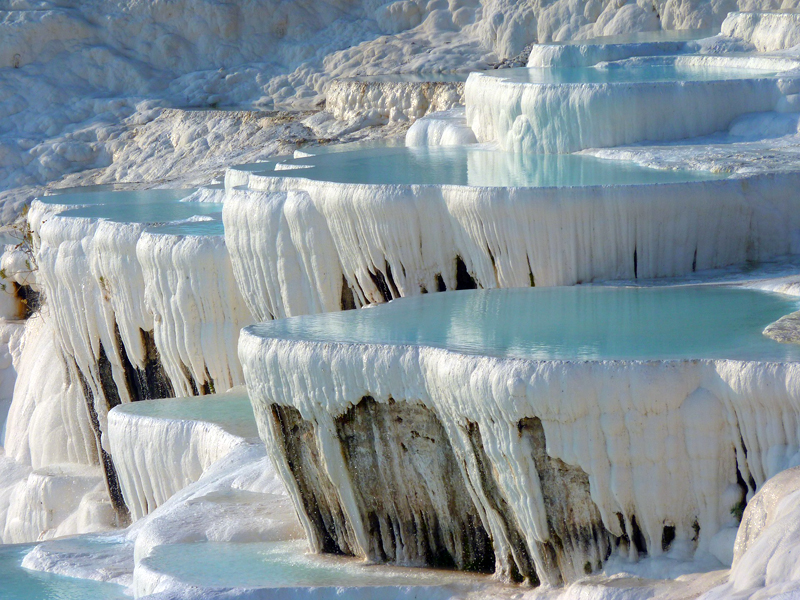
(17, 583)
(146, 212)
(232, 411)
(475, 166)
(283, 564)
(566, 323)
(627, 73)
(104, 195)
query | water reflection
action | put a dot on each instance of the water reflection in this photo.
(572, 323)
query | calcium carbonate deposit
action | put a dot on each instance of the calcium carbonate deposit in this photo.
(413, 299)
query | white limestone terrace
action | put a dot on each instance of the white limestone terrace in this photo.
(302, 241)
(567, 109)
(480, 397)
(160, 447)
(136, 311)
(381, 231)
(193, 471)
(588, 52)
(235, 54)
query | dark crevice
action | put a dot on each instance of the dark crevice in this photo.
(522, 566)
(151, 382)
(575, 524)
(319, 498)
(380, 282)
(751, 482)
(530, 272)
(464, 281)
(637, 537)
(635, 264)
(192, 383)
(390, 279)
(30, 300)
(440, 285)
(494, 263)
(110, 473)
(348, 300)
(694, 261)
(667, 537)
(737, 511)
(107, 382)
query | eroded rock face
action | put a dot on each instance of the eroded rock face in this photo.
(331, 531)
(575, 524)
(415, 497)
(785, 330)
(409, 490)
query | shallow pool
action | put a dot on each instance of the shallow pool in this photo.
(283, 564)
(212, 226)
(108, 195)
(623, 72)
(232, 411)
(475, 166)
(17, 583)
(569, 323)
(145, 212)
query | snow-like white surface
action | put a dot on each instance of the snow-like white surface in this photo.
(157, 456)
(85, 87)
(765, 561)
(418, 231)
(179, 287)
(766, 31)
(106, 58)
(562, 118)
(52, 484)
(604, 50)
(446, 128)
(197, 309)
(282, 253)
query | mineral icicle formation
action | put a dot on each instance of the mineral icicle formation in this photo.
(538, 469)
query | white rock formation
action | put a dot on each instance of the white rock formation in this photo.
(157, 455)
(766, 31)
(616, 424)
(765, 555)
(568, 117)
(391, 100)
(446, 128)
(387, 241)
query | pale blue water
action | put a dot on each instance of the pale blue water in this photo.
(104, 195)
(663, 35)
(211, 227)
(232, 411)
(567, 323)
(282, 564)
(267, 166)
(627, 73)
(376, 144)
(145, 212)
(477, 166)
(17, 583)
